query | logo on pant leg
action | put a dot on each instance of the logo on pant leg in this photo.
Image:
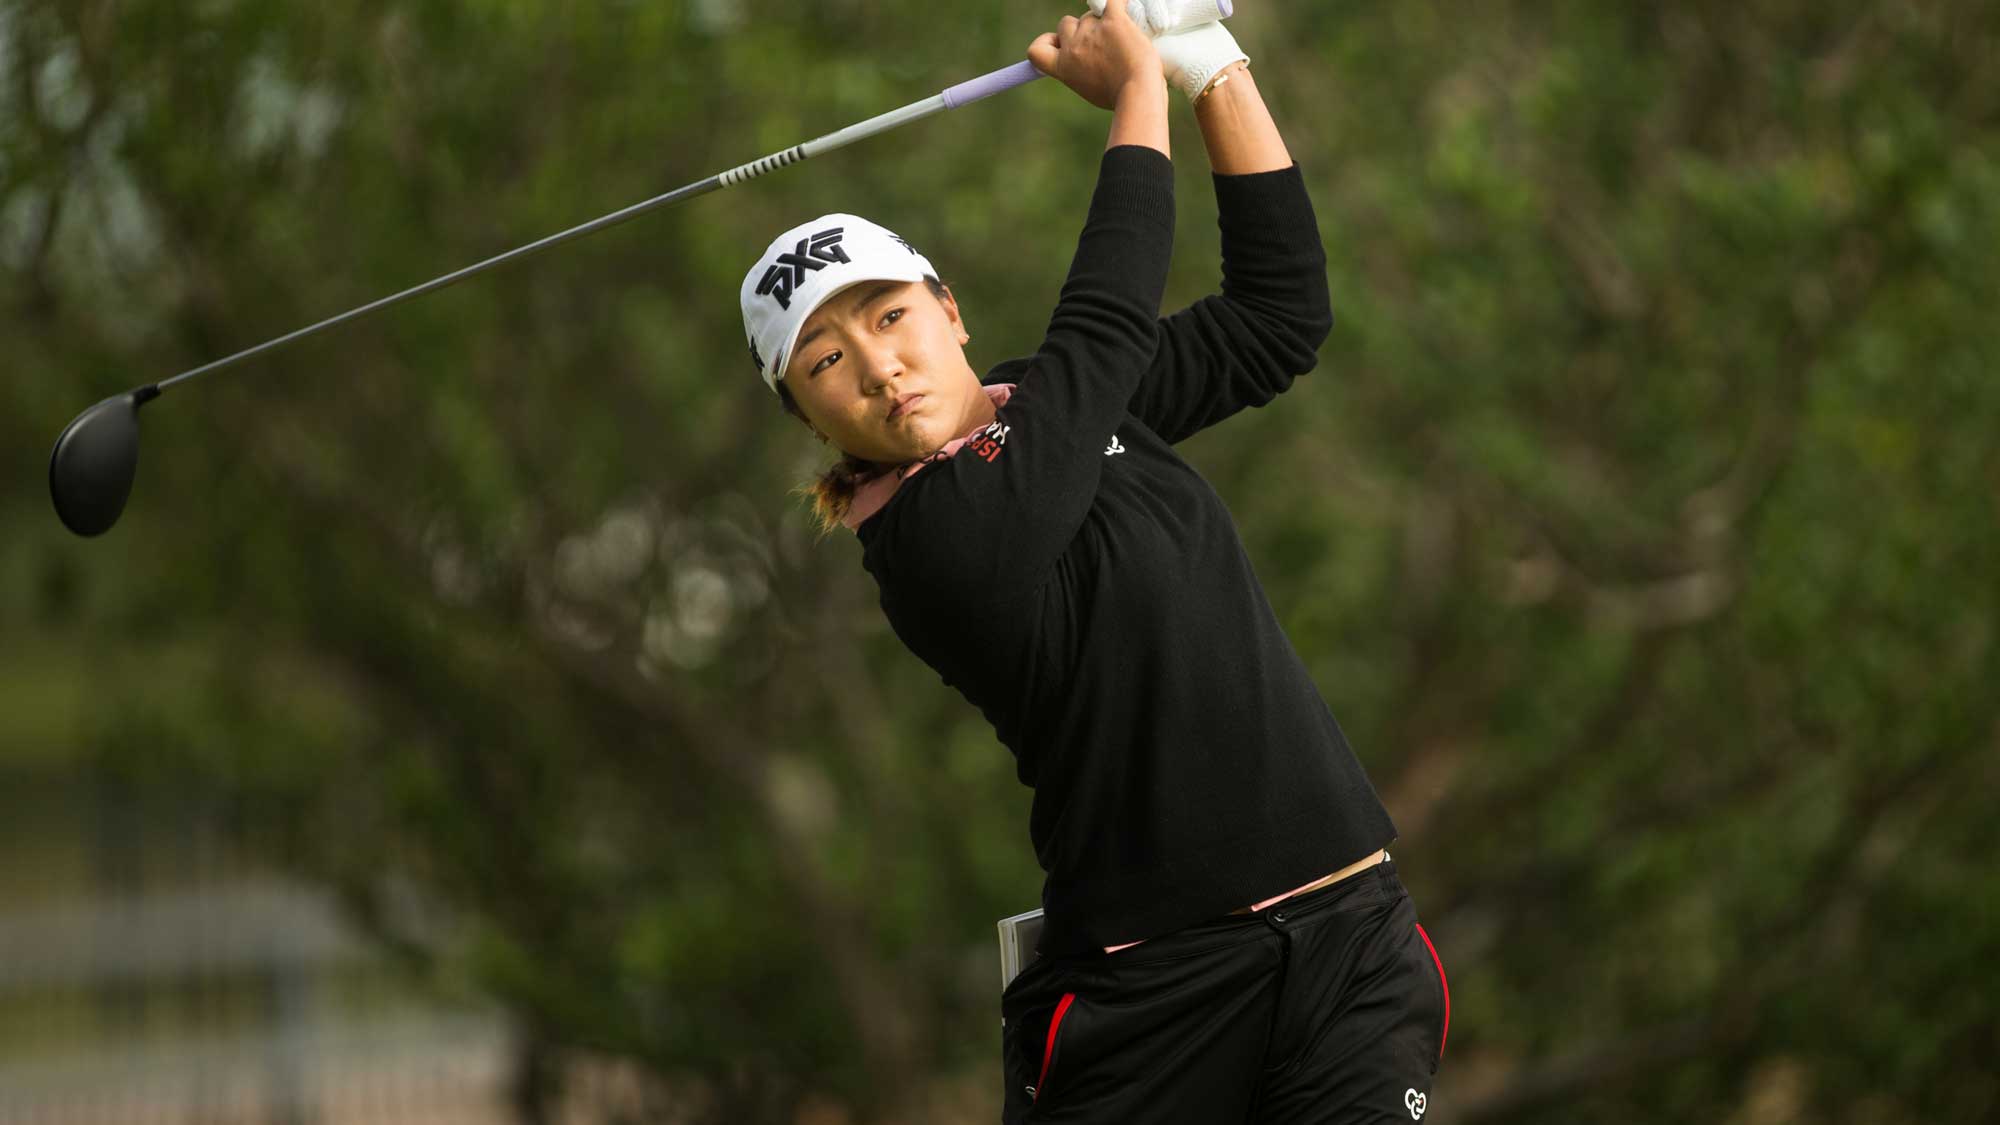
(1414, 1102)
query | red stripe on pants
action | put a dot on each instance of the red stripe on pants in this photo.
(1441, 984)
(1049, 1046)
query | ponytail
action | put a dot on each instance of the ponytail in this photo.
(832, 494)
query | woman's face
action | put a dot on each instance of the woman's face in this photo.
(880, 369)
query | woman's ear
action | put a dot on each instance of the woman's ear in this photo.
(951, 313)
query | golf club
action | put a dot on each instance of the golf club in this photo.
(97, 455)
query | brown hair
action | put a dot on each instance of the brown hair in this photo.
(832, 494)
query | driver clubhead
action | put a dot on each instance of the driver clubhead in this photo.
(94, 461)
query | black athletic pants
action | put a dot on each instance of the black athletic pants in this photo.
(1330, 1006)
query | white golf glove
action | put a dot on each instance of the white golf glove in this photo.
(1192, 56)
(1157, 17)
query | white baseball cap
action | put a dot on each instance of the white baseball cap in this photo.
(808, 264)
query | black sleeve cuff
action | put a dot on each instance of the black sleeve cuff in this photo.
(1269, 208)
(1136, 179)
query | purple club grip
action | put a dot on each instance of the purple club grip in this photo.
(986, 85)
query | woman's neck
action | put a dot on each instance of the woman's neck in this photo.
(981, 413)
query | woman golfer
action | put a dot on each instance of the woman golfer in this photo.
(1224, 939)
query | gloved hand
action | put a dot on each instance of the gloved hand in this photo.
(1191, 53)
(1157, 17)
(1192, 58)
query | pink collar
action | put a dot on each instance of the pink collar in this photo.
(872, 495)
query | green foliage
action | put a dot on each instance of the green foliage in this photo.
(1638, 523)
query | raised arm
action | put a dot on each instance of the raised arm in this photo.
(1244, 346)
(996, 520)
(1236, 125)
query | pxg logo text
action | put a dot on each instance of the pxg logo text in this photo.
(789, 271)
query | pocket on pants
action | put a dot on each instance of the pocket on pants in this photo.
(1036, 1026)
(1039, 1017)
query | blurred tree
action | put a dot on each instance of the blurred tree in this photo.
(1643, 533)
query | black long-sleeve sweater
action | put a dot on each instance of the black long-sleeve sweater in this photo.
(1084, 587)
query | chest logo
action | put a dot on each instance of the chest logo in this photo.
(987, 443)
(1114, 447)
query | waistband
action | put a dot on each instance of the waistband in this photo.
(1374, 883)
(1345, 872)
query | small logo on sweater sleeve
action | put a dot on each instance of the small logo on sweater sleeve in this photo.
(987, 443)
(1114, 447)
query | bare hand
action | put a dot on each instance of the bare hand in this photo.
(1097, 56)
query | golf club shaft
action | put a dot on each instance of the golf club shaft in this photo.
(965, 93)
